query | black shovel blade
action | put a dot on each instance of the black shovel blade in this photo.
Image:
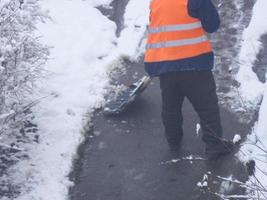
(126, 97)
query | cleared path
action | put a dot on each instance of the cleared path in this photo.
(126, 159)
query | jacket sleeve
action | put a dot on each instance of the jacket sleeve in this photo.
(206, 12)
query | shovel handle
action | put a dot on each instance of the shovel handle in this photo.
(145, 82)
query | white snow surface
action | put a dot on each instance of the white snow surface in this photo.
(251, 89)
(237, 138)
(256, 145)
(76, 86)
(198, 128)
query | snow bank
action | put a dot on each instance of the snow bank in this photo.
(85, 45)
(255, 146)
(135, 20)
(250, 47)
(262, 122)
(76, 85)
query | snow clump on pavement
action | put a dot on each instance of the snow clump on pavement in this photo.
(236, 139)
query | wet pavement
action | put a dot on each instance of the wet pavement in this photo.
(127, 158)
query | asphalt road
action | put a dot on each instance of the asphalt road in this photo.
(127, 157)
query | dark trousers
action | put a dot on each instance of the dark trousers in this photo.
(200, 89)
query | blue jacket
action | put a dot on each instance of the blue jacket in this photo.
(205, 11)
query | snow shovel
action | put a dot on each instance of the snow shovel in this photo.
(126, 97)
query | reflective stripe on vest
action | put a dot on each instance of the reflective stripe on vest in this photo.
(174, 43)
(180, 27)
(173, 34)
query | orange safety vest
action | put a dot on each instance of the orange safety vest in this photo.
(173, 34)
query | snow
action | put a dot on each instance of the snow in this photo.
(254, 91)
(75, 86)
(261, 128)
(85, 51)
(135, 19)
(199, 184)
(255, 146)
(189, 158)
(227, 185)
(3, 116)
(236, 139)
(250, 47)
(204, 182)
(198, 128)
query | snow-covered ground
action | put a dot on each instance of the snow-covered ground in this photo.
(251, 88)
(255, 92)
(85, 50)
